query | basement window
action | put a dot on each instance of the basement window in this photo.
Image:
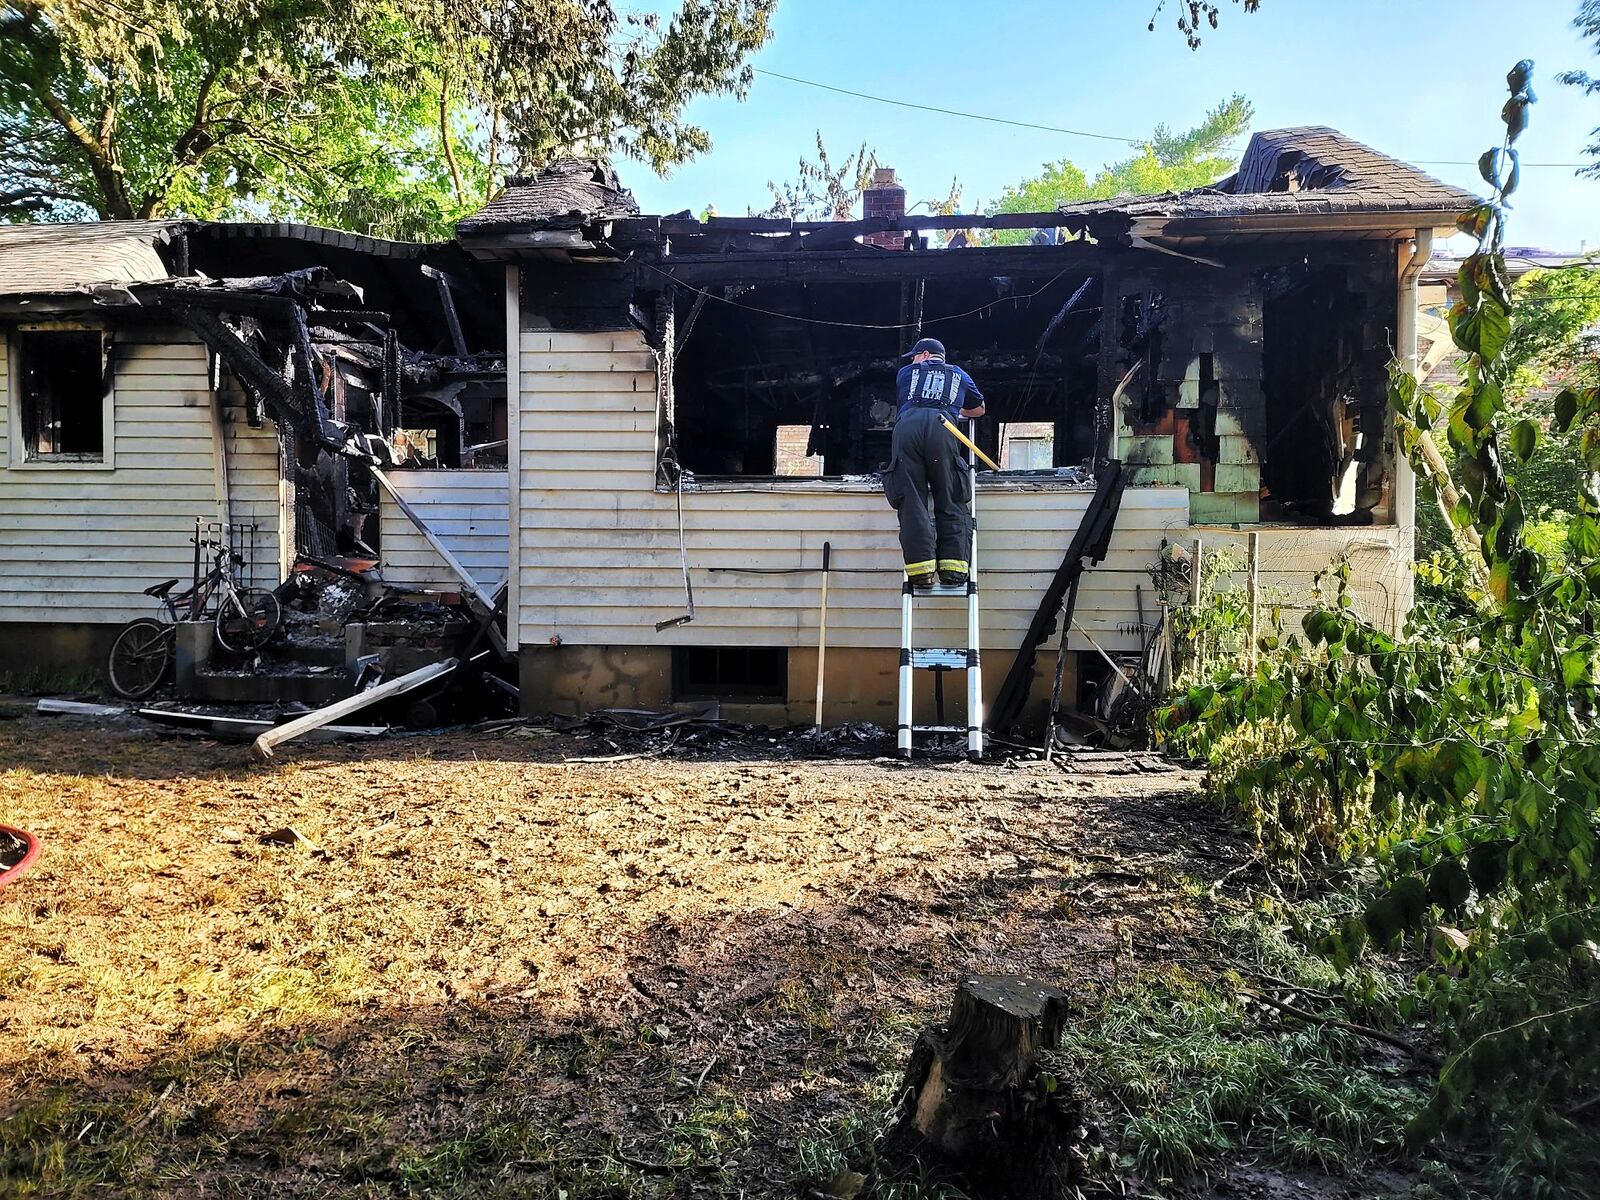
(730, 673)
(63, 396)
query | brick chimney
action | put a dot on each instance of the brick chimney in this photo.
(884, 197)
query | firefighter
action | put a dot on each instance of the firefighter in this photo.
(926, 461)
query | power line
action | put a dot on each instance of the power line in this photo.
(1104, 137)
(950, 112)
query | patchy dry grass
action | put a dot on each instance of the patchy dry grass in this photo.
(511, 976)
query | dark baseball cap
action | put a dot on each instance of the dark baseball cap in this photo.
(926, 346)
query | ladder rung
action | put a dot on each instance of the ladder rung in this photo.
(950, 660)
(961, 729)
(940, 589)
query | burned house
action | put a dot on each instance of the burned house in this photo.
(164, 374)
(649, 427)
(698, 406)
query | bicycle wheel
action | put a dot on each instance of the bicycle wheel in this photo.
(246, 619)
(140, 658)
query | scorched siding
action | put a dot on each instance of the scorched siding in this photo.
(81, 545)
(598, 559)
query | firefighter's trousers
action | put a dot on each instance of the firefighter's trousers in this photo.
(926, 463)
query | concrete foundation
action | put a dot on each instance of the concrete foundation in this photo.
(861, 685)
(50, 653)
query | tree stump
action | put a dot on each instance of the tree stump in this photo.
(973, 1098)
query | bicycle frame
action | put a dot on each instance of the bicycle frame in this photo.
(195, 603)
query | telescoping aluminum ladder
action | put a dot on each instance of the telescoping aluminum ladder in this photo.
(940, 660)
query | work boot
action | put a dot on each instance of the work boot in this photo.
(953, 578)
(921, 583)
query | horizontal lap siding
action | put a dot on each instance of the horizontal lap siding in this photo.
(467, 512)
(1291, 558)
(255, 487)
(81, 545)
(598, 545)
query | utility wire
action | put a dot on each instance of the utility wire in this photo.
(783, 316)
(950, 112)
(1134, 142)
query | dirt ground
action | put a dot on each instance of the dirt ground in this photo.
(489, 971)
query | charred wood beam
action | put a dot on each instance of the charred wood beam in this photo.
(447, 302)
(348, 316)
(331, 433)
(1077, 221)
(1090, 541)
(857, 266)
(265, 383)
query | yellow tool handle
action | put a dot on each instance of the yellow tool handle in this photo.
(969, 444)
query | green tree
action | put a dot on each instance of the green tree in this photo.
(1168, 162)
(1587, 23)
(823, 190)
(1554, 343)
(391, 116)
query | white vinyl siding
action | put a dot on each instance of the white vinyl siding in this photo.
(465, 509)
(80, 546)
(256, 490)
(1292, 556)
(598, 559)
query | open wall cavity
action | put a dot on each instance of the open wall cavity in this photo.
(787, 379)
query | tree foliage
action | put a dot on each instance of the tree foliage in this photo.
(394, 116)
(823, 189)
(1168, 162)
(1587, 23)
(1194, 16)
(1457, 768)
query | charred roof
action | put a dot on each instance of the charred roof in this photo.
(568, 194)
(1301, 179)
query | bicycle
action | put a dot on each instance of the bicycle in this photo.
(244, 619)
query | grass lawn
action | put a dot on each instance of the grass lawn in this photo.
(493, 972)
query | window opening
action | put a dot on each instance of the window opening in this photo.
(730, 672)
(1027, 445)
(799, 379)
(62, 394)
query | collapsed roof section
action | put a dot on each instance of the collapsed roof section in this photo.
(1307, 179)
(557, 204)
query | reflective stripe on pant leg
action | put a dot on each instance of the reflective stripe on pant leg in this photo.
(953, 564)
(920, 568)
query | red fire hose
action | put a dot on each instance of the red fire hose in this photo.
(32, 852)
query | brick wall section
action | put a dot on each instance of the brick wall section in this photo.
(884, 198)
(790, 457)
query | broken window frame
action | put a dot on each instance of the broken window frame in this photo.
(21, 455)
(666, 342)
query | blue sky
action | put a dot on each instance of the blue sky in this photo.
(1413, 80)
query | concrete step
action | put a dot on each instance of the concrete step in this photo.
(276, 683)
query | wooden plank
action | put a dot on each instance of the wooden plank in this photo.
(599, 342)
(641, 361)
(473, 586)
(535, 381)
(263, 747)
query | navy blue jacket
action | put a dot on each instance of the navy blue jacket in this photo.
(935, 384)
